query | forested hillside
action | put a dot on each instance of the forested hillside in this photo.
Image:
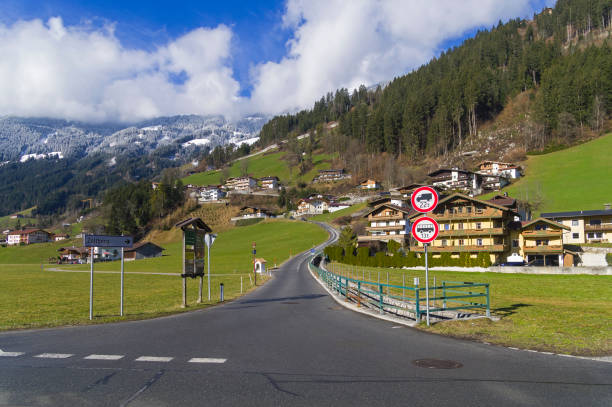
(563, 55)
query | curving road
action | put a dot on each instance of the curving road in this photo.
(287, 343)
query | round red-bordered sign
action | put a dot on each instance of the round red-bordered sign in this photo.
(424, 199)
(425, 229)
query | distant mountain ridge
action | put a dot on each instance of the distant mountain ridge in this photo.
(22, 136)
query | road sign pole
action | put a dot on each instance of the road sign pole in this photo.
(121, 307)
(91, 259)
(427, 283)
(184, 278)
(208, 258)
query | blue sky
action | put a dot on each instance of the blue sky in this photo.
(228, 57)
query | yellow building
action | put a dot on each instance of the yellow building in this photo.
(541, 242)
(470, 225)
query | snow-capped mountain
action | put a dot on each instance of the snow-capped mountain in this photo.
(33, 138)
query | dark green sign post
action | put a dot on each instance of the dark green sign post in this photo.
(194, 230)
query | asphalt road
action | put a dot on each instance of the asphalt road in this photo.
(287, 343)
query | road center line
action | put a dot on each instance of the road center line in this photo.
(207, 360)
(54, 355)
(103, 357)
(11, 354)
(154, 359)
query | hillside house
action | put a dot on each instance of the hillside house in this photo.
(507, 170)
(28, 236)
(270, 182)
(369, 184)
(17, 216)
(591, 226)
(241, 184)
(211, 193)
(331, 176)
(250, 212)
(494, 182)
(541, 242)
(386, 222)
(60, 237)
(455, 179)
(73, 254)
(143, 250)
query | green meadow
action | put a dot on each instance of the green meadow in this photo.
(264, 165)
(30, 298)
(567, 314)
(330, 217)
(577, 178)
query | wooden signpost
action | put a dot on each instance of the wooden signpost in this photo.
(194, 231)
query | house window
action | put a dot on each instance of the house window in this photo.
(460, 242)
(468, 209)
(460, 209)
(575, 236)
(479, 242)
(515, 243)
(540, 227)
(443, 242)
(460, 226)
(446, 226)
(478, 225)
(595, 222)
(574, 222)
(598, 235)
(479, 210)
(591, 235)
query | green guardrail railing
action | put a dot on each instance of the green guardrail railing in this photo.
(455, 296)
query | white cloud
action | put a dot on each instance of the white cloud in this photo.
(339, 43)
(80, 72)
(48, 69)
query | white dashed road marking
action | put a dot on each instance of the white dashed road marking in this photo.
(54, 355)
(154, 359)
(207, 360)
(104, 357)
(11, 354)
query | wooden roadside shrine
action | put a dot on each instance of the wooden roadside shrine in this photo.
(194, 232)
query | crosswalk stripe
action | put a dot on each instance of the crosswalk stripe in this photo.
(11, 354)
(54, 355)
(154, 359)
(104, 357)
(207, 360)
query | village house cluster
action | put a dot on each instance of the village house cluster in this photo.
(494, 226)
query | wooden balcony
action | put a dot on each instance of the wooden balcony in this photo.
(542, 233)
(543, 249)
(467, 216)
(598, 228)
(383, 238)
(495, 248)
(382, 228)
(472, 232)
(399, 216)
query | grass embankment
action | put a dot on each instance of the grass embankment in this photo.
(561, 314)
(7, 222)
(264, 165)
(573, 179)
(30, 298)
(330, 217)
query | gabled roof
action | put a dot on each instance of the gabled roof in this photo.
(196, 222)
(469, 198)
(274, 177)
(572, 214)
(394, 207)
(441, 170)
(550, 222)
(141, 244)
(503, 200)
(493, 162)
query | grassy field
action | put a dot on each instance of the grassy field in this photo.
(6, 222)
(261, 166)
(568, 314)
(31, 298)
(330, 217)
(36, 253)
(568, 180)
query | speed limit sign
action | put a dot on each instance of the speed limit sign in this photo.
(425, 229)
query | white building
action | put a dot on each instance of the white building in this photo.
(211, 193)
(269, 182)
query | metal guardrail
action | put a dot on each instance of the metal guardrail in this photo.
(404, 299)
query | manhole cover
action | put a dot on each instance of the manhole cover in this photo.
(437, 363)
(289, 302)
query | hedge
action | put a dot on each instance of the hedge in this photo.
(363, 257)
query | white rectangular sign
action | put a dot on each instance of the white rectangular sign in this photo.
(107, 241)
